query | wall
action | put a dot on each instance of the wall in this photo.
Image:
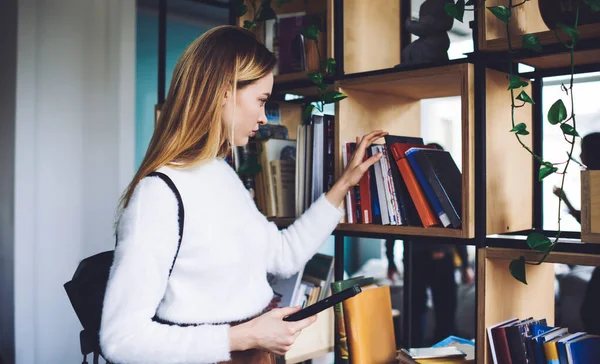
(8, 65)
(181, 31)
(74, 154)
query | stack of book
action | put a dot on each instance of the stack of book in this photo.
(413, 184)
(452, 350)
(531, 341)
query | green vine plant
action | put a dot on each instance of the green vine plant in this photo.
(327, 67)
(557, 114)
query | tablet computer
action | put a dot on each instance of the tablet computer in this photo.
(324, 304)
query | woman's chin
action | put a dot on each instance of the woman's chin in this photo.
(241, 141)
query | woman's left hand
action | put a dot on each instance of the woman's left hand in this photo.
(356, 167)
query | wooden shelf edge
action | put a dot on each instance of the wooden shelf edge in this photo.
(534, 257)
(401, 230)
(435, 232)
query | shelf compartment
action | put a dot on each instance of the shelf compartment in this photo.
(590, 206)
(525, 19)
(391, 101)
(309, 7)
(501, 297)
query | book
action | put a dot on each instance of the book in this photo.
(445, 180)
(341, 338)
(426, 214)
(408, 211)
(370, 326)
(493, 342)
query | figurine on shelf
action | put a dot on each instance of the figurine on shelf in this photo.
(432, 29)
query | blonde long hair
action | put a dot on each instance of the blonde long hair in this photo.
(190, 129)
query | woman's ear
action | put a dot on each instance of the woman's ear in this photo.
(226, 98)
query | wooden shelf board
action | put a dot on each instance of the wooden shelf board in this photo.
(561, 60)
(400, 230)
(554, 257)
(414, 84)
(283, 222)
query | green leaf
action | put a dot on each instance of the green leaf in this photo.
(307, 113)
(267, 12)
(546, 169)
(322, 87)
(316, 77)
(249, 24)
(572, 32)
(500, 12)
(575, 160)
(457, 11)
(333, 96)
(531, 41)
(311, 32)
(516, 82)
(569, 130)
(330, 66)
(242, 9)
(557, 113)
(523, 96)
(594, 4)
(520, 129)
(470, 2)
(539, 242)
(517, 269)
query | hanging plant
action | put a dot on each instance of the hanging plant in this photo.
(327, 67)
(557, 115)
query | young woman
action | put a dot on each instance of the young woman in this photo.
(212, 306)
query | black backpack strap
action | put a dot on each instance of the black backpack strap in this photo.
(173, 188)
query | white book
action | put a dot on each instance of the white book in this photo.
(383, 206)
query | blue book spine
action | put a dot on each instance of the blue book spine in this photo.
(433, 200)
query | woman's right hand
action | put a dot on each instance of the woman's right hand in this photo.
(269, 332)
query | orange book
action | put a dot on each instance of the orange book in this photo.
(428, 217)
(370, 326)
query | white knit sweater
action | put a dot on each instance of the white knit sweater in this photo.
(227, 249)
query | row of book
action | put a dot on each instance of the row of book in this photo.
(306, 287)
(531, 341)
(413, 184)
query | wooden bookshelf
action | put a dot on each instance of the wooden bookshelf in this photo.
(525, 19)
(391, 102)
(501, 297)
(590, 206)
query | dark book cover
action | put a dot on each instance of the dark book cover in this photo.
(445, 180)
(408, 211)
(329, 170)
(375, 208)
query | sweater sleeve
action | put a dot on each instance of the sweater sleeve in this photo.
(148, 236)
(292, 247)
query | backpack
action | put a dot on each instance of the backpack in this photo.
(87, 287)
